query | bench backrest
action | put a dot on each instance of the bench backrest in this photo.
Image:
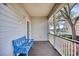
(19, 42)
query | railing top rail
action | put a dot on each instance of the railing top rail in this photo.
(75, 41)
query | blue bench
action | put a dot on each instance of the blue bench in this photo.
(22, 45)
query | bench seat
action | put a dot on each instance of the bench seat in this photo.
(22, 45)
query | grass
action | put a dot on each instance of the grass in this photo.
(70, 37)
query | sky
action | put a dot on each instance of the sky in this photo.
(76, 9)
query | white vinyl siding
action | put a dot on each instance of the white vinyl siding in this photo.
(12, 26)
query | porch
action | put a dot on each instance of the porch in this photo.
(35, 21)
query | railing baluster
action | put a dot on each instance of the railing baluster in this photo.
(63, 47)
(70, 48)
(78, 49)
(75, 48)
(67, 47)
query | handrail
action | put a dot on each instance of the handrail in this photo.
(75, 41)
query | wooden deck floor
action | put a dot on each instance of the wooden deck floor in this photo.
(43, 49)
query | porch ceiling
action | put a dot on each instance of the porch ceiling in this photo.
(38, 9)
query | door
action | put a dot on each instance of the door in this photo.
(27, 29)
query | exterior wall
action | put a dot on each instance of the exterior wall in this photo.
(13, 20)
(39, 28)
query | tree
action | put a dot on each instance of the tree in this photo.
(67, 14)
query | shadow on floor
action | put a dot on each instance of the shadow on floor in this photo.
(22, 54)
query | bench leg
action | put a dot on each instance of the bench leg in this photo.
(27, 54)
(33, 45)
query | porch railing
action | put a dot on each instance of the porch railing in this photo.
(65, 46)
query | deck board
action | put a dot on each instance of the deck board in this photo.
(43, 49)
